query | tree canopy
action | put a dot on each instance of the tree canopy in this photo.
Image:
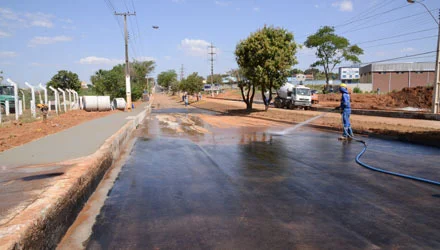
(66, 80)
(167, 79)
(266, 58)
(217, 78)
(192, 84)
(112, 82)
(331, 50)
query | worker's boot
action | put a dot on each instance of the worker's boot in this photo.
(350, 132)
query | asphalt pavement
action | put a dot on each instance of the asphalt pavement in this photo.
(239, 188)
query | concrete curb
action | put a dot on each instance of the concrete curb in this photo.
(43, 223)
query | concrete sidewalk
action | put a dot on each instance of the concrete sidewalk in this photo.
(75, 142)
(44, 183)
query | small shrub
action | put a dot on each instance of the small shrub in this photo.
(357, 90)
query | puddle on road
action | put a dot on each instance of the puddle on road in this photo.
(204, 127)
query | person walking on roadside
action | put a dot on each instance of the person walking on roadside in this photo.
(345, 108)
(186, 99)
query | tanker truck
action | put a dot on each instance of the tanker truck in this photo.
(293, 96)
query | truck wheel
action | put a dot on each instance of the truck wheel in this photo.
(291, 106)
(306, 108)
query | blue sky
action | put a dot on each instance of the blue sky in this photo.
(38, 38)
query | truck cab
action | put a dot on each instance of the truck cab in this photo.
(6, 94)
(293, 96)
(301, 97)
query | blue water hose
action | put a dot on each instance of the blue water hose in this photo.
(358, 161)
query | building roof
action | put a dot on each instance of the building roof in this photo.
(387, 67)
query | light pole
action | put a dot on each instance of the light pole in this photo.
(436, 93)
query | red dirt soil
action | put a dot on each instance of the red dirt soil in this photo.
(418, 97)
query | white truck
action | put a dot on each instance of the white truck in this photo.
(293, 96)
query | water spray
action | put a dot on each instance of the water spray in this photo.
(358, 157)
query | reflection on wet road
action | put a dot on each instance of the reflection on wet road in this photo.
(191, 183)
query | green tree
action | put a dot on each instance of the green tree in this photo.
(217, 78)
(266, 58)
(167, 78)
(192, 84)
(112, 82)
(66, 80)
(331, 50)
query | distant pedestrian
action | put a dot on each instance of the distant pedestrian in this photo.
(378, 91)
(345, 108)
(186, 99)
(200, 96)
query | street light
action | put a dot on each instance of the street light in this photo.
(436, 93)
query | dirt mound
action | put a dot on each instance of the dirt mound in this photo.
(418, 97)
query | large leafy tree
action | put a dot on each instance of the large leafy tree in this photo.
(112, 82)
(66, 80)
(167, 79)
(216, 78)
(192, 84)
(266, 58)
(331, 50)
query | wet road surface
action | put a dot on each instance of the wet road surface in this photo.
(190, 185)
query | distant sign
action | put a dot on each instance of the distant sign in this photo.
(300, 77)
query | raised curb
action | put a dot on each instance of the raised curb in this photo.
(43, 223)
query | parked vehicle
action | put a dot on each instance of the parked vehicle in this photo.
(293, 96)
(7, 94)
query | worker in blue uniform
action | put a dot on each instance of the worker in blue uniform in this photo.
(345, 108)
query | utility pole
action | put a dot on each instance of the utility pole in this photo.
(127, 68)
(436, 94)
(212, 53)
(182, 73)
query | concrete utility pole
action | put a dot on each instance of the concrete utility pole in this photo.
(182, 72)
(436, 93)
(212, 53)
(127, 69)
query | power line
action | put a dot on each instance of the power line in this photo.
(371, 9)
(390, 21)
(401, 57)
(400, 35)
(369, 17)
(139, 32)
(415, 39)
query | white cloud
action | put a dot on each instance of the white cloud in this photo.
(167, 58)
(194, 47)
(13, 19)
(100, 60)
(344, 5)
(256, 9)
(68, 20)
(7, 54)
(222, 3)
(409, 49)
(4, 34)
(42, 23)
(39, 40)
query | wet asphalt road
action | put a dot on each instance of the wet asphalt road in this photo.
(248, 189)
